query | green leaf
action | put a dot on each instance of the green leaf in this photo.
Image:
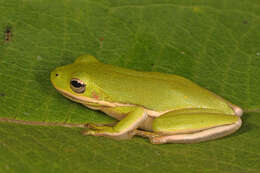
(214, 43)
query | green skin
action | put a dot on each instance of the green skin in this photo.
(163, 107)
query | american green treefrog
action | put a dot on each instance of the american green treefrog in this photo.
(165, 108)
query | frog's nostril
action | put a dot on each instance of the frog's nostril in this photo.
(57, 74)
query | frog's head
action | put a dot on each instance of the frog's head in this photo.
(74, 82)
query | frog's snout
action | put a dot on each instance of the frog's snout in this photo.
(56, 76)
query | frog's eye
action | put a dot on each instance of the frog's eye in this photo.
(77, 85)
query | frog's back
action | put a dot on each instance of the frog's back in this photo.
(153, 90)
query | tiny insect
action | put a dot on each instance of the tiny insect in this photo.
(245, 22)
(101, 42)
(8, 34)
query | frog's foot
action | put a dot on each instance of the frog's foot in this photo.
(204, 135)
(88, 132)
(122, 130)
(97, 130)
(91, 126)
(98, 126)
(117, 136)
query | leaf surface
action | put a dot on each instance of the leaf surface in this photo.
(214, 43)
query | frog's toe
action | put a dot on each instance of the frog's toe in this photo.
(94, 132)
(158, 140)
(88, 132)
(91, 126)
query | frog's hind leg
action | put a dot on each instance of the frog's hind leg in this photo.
(191, 126)
(204, 135)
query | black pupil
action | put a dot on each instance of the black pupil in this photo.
(76, 84)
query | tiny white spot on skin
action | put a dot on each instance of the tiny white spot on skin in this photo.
(257, 53)
(39, 58)
(182, 52)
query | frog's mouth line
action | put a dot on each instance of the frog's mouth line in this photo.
(86, 100)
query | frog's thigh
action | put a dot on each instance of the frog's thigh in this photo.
(193, 127)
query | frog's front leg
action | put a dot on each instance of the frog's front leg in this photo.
(124, 129)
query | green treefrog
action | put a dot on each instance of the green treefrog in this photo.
(165, 108)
